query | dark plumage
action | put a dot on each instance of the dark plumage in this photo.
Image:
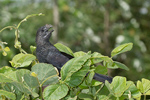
(47, 53)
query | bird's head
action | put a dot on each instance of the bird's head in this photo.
(43, 33)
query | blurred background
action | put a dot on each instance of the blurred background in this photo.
(84, 25)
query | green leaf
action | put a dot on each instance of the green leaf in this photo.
(6, 70)
(116, 65)
(135, 93)
(63, 48)
(103, 97)
(21, 87)
(55, 92)
(46, 73)
(4, 78)
(118, 86)
(85, 96)
(101, 69)
(72, 66)
(22, 60)
(122, 48)
(95, 83)
(107, 60)
(7, 94)
(90, 77)
(72, 98)
(31, 81)
(144, 86)
(77, 77)
(32, 48)
(79, 53)
(20, 74)
(96, 58)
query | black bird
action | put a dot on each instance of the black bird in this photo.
(47, 53)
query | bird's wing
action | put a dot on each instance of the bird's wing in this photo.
(57, 59)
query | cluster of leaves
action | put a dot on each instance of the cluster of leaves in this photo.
(43, 80)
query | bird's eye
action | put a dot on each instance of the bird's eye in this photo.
(43, 30)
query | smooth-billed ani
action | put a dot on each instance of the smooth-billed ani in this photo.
(47, 53)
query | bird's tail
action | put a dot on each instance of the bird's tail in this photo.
(102, 78)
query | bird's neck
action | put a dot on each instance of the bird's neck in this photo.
(41, 43)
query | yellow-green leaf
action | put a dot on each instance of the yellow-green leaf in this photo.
(122, 48)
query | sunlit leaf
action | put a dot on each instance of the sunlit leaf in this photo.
(63, 48)
(4, 78)
(90, 77)
(20, 73)
(122, 48)
(32, 48)
(118, 86)
(144, 86)
(22, 60)
(96, 58)
(31, 81)
(77, 77)
(101, 69)
(72, 66)
(116, 65)
(135, 93)
(6, 70)
(23, 88)
(46, 73)
(79, 53)
(55, 92)
(7, 94)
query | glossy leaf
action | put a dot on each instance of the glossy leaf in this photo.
(63, 48)
(55, 92)
(90, 77)
(22, 60)
(118, 86)
(135, 93)
(116, 65)
(23, 88)
(20, 74)
(46, 73)
(101, 69)
(77, 77)
(4, 78)
(31, 81)
(6, 70)
(144, 86)
(79, 53)
(72, 66)
(122, 48)
(32, 48)
(96, 58)
(8, 95)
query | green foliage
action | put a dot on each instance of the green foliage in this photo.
(22, 60)
(63, 48)
(8, 95)
(55, 92)
(73, 84)
(121, 49)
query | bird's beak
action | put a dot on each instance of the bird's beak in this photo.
(48, 33)
(48, 26)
